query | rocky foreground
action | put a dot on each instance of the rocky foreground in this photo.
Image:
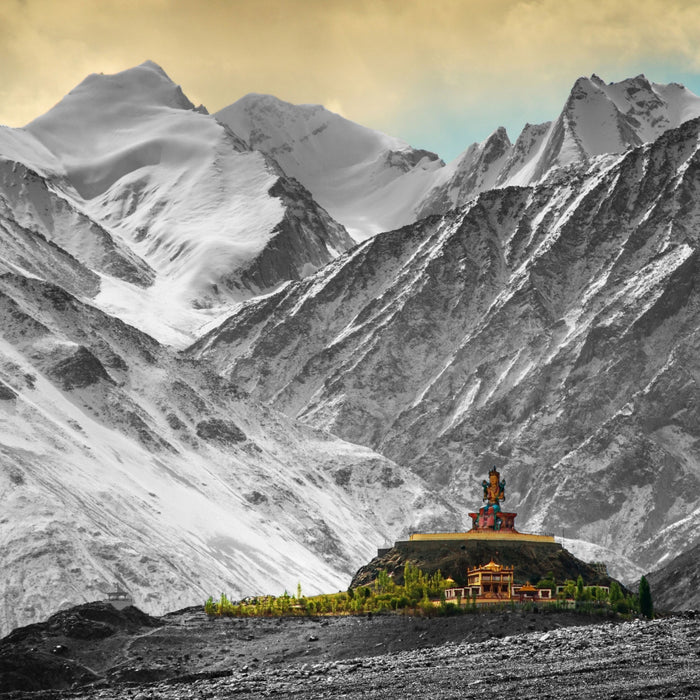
(94, 652)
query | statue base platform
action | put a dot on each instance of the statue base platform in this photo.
(484, 520)
(481, 534)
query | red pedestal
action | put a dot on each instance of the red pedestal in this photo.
(507, 520)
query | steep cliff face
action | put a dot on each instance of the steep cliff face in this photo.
(549, 329)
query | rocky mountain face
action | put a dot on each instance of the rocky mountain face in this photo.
(551, 330)
(676, 585)
(531, 561)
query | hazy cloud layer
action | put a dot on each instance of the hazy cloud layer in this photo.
(439, 73)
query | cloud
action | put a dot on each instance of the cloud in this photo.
(388, 62)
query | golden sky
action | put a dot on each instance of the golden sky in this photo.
(438, 73)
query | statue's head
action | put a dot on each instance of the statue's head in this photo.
(494, 476)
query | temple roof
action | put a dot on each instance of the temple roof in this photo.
(492, 566)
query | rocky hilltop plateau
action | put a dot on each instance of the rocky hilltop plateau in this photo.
(530, 561)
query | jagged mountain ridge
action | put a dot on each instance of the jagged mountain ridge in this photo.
(597, 119)
(372, 182)
(551, 329)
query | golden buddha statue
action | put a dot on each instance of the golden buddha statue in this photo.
(494, 488)
(494, 493)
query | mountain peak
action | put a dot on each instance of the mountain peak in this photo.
(344, 164)
(583, 87)
(144, 86)
(499, 135)
(257, 101)
(639, 82)
(152, 65)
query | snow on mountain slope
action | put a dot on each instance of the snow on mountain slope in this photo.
(213, 220)
(550, 329)
(30, 200)
(122, 462)
(618, 566)
(362, 177)
(17, 145)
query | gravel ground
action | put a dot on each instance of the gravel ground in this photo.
(515, 655)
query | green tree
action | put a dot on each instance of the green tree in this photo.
(579, 588)
(615, 594)
(600, 594)
(569, 588)
(384, 583)
(437, 584)
(547, 582)
(414, 583)
(646, 606)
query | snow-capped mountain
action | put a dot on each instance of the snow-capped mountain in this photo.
(202, 220)
(550, 329)
(365, 179)
(373, 182)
